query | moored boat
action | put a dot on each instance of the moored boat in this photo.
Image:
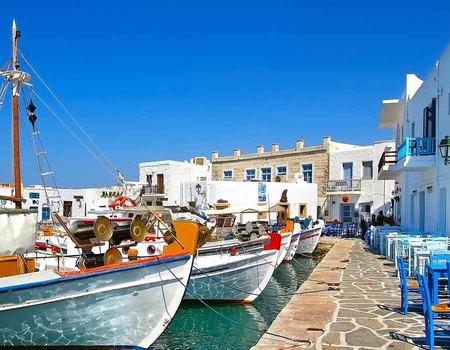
(120, 304)
(309, 237)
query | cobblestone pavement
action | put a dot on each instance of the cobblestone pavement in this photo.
(350, 301)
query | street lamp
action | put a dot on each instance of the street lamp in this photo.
(444, 146)
(199, 187)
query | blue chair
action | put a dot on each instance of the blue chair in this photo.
(409, 289)
(440, 256)
(433, 330)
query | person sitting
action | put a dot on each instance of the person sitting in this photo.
(380, 218)
(390, 221)
(373, 221)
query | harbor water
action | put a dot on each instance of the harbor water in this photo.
(204, 326)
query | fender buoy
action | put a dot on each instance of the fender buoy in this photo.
(120, 201)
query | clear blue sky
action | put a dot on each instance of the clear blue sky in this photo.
(156, 80)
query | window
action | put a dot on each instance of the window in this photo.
(250, 174)
(266, 174)
(367, 170)
(429, 120)
(347, 169)
(227, 174)
(365, 208)
(281, 170)
(413, 129)
(307, 172)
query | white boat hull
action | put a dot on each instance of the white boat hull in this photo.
(309, 238)
(238, 278)
(292, 247)
(120, 305)
(286, 239)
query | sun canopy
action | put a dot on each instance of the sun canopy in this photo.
(245, 210)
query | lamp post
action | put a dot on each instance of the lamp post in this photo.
(198, 188)
(444, 147)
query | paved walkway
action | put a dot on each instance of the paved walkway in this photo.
(350, 301)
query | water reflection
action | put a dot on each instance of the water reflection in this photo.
(234, 327)
(197, 326)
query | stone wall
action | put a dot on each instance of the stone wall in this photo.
(293, 159)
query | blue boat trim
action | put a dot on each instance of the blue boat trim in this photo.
(93, 274)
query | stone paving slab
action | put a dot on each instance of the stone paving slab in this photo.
(351, 300)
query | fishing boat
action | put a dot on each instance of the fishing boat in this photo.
(221, 273)
(228, 270)
(122, 304)
(309, 236)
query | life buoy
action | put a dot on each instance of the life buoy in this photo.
(120, 201)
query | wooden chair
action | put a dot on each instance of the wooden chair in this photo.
(409, 289)
(434, 330)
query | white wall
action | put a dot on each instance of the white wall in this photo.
(245, 194)
(373, 191)
(175, 175)
(418, 95)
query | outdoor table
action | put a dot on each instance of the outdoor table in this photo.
(434, 272)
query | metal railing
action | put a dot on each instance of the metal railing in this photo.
(155, 189)
(344, 185)
(412, 146)
(388, 157)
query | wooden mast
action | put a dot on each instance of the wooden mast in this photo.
(15, 121)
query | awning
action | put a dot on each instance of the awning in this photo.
(391, 113)
(233, 210)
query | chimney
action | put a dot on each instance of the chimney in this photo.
(299, 144)
(326, 141)
(260, 149)
(275, 147)
(237, 153)
(215, 155)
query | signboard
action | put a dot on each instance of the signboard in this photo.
(45, 213)
(261, 191)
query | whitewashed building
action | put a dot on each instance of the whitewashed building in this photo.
(421, 118)
(190, 184)
(353, 190)
(167, 178)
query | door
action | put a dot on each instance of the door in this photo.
(160, 183)
(347, 172)
(347, 211)
(422, 210)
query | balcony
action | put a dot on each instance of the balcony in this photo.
(415, 154)
(343, 186)
(155, 189)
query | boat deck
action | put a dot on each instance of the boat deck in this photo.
(350, 301)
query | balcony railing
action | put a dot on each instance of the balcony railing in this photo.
(412, 146)
(417, 146)
(155, 189)
(388, 157)
(344, 185)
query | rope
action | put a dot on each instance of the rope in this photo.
(73, 119)
(231, 320)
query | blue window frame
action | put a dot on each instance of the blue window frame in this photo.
(266, 174)
(307, 170)
(227, 174)
(347, 169)
(281, 170)
(250, 174)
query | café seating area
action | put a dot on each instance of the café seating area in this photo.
(423, 266)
